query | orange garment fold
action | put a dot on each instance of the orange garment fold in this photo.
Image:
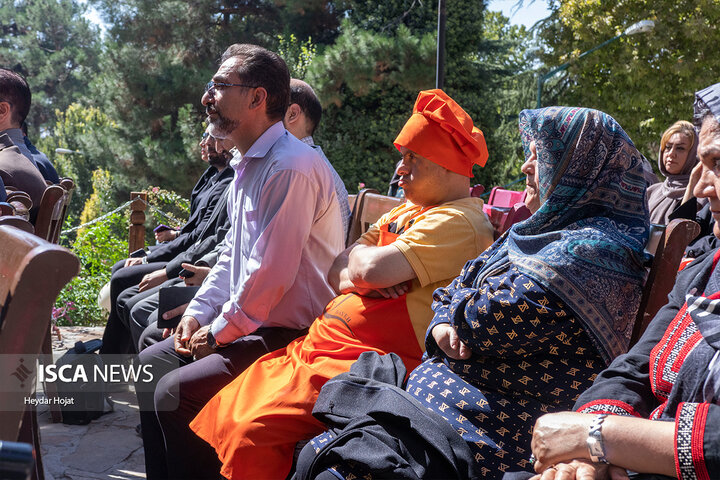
(255, 422)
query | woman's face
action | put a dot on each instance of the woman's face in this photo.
(675, 153)
(532, 184)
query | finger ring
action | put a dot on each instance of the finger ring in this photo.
(532, 459)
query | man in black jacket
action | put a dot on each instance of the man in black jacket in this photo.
(140, 274)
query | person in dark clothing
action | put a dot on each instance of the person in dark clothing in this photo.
(372, 419)
(656, 409)
(41, 161)
(135, 276)
(17, 167)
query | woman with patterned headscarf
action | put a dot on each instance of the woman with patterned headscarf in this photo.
(527, 326)
(676, 159)
(656, 409)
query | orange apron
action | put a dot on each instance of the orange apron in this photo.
(255, 422)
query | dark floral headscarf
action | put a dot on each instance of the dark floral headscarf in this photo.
(585, 243)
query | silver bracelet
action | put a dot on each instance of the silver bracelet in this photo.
(595, 444)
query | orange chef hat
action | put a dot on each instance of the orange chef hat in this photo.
(441, 131)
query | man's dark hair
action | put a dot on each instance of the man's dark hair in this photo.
(303, 95)
(263, 68)
(15, 90)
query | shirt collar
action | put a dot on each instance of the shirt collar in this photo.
(262, 145)
(15, 135)
(308, 140)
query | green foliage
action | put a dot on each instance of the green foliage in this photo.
(646, 81)
(100, 200)
(54, 47)
(298, 55)
(86, 131)
(370, 77)
(98, 247)
(165, 207)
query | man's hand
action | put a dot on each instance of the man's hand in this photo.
(152, 279)
(447, 339)
(199, 344)
(172, 314)
(186, 328)
(200, 274)
(390, 292)
(133, 261)
(166, 235)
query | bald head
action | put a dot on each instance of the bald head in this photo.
(303, 116)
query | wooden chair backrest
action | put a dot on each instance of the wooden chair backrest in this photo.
(369, 207)
(17, 222)
(49, 211)
(58, 220)
(32, 273)
(663, 270)
(6, 209)
(21, 202)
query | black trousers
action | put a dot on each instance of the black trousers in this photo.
(117, 338)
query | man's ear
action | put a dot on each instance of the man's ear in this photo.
(259, 98)
(5, 112)
(293, 114)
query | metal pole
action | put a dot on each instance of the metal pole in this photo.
(440, 63)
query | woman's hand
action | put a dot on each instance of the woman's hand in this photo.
(447, 339)
(581, 469)
(560, 437)
(695, 175)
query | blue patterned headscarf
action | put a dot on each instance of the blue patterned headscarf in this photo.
(707, 102)
(585, 243)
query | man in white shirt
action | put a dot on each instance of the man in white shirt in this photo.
(271, 280)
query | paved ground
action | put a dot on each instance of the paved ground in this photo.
(107, 448)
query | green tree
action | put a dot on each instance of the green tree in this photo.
(645, 81)
(54, 47)
(385, 54)
(158, 57)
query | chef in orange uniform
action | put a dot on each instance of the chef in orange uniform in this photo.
(385, 283)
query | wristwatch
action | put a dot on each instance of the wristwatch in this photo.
(212, 343)
(595, 440)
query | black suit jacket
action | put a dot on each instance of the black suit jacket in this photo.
(205, 197)
(213, 233)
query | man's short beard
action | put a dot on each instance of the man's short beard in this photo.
(219, 160)
(221, 127)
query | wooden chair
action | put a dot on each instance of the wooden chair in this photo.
(671, 244)
(6, 209)
(369, 206)
(58, 220)
(17, 222)
(21, 202)
(49, 211)
(32, 273)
